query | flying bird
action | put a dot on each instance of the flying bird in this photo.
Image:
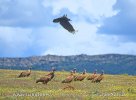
(64, 22)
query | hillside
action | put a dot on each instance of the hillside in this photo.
(112, 87)
(111, 63)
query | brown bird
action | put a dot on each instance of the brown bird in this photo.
(25, 74)
(91, 77)
(69, 78)
(81, 77)
(99, 78)
(64, 22)
(51, 73)
(46, 79)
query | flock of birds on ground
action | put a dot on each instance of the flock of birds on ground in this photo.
(94, 78)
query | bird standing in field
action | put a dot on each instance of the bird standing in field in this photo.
(46, 78)
(25, 73)
(91, 77)
(64, 22)
(99, 78)
(51, 73)
(81, 77)
(69, 78)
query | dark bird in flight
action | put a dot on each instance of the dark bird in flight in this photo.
(64, 21)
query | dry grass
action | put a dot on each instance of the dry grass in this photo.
(113, 87)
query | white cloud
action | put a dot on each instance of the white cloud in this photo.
(14, 41)
(86, 41)
(56, 40)
(124, 22)
(53, 39)
(9, 34)
(92, 8)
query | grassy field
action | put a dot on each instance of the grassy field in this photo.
(112, 87)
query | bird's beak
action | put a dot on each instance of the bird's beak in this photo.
(55, 21)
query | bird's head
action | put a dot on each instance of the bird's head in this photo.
(74, 69)
(63, 18)
(53, 69)
(84, 72)
(102, 72)
(66, 18)
(56, 20)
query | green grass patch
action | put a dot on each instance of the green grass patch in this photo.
(112, 87)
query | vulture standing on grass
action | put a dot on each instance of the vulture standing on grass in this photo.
(69, 78)
(46, 78)
(51, 73)
(25, 74)
(99, 78)
(91, 77)
(81, 77)
(64, 22)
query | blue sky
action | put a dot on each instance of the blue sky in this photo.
(104, 26)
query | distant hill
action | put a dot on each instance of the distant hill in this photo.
(110, 63)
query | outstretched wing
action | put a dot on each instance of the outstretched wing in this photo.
(67, 26)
